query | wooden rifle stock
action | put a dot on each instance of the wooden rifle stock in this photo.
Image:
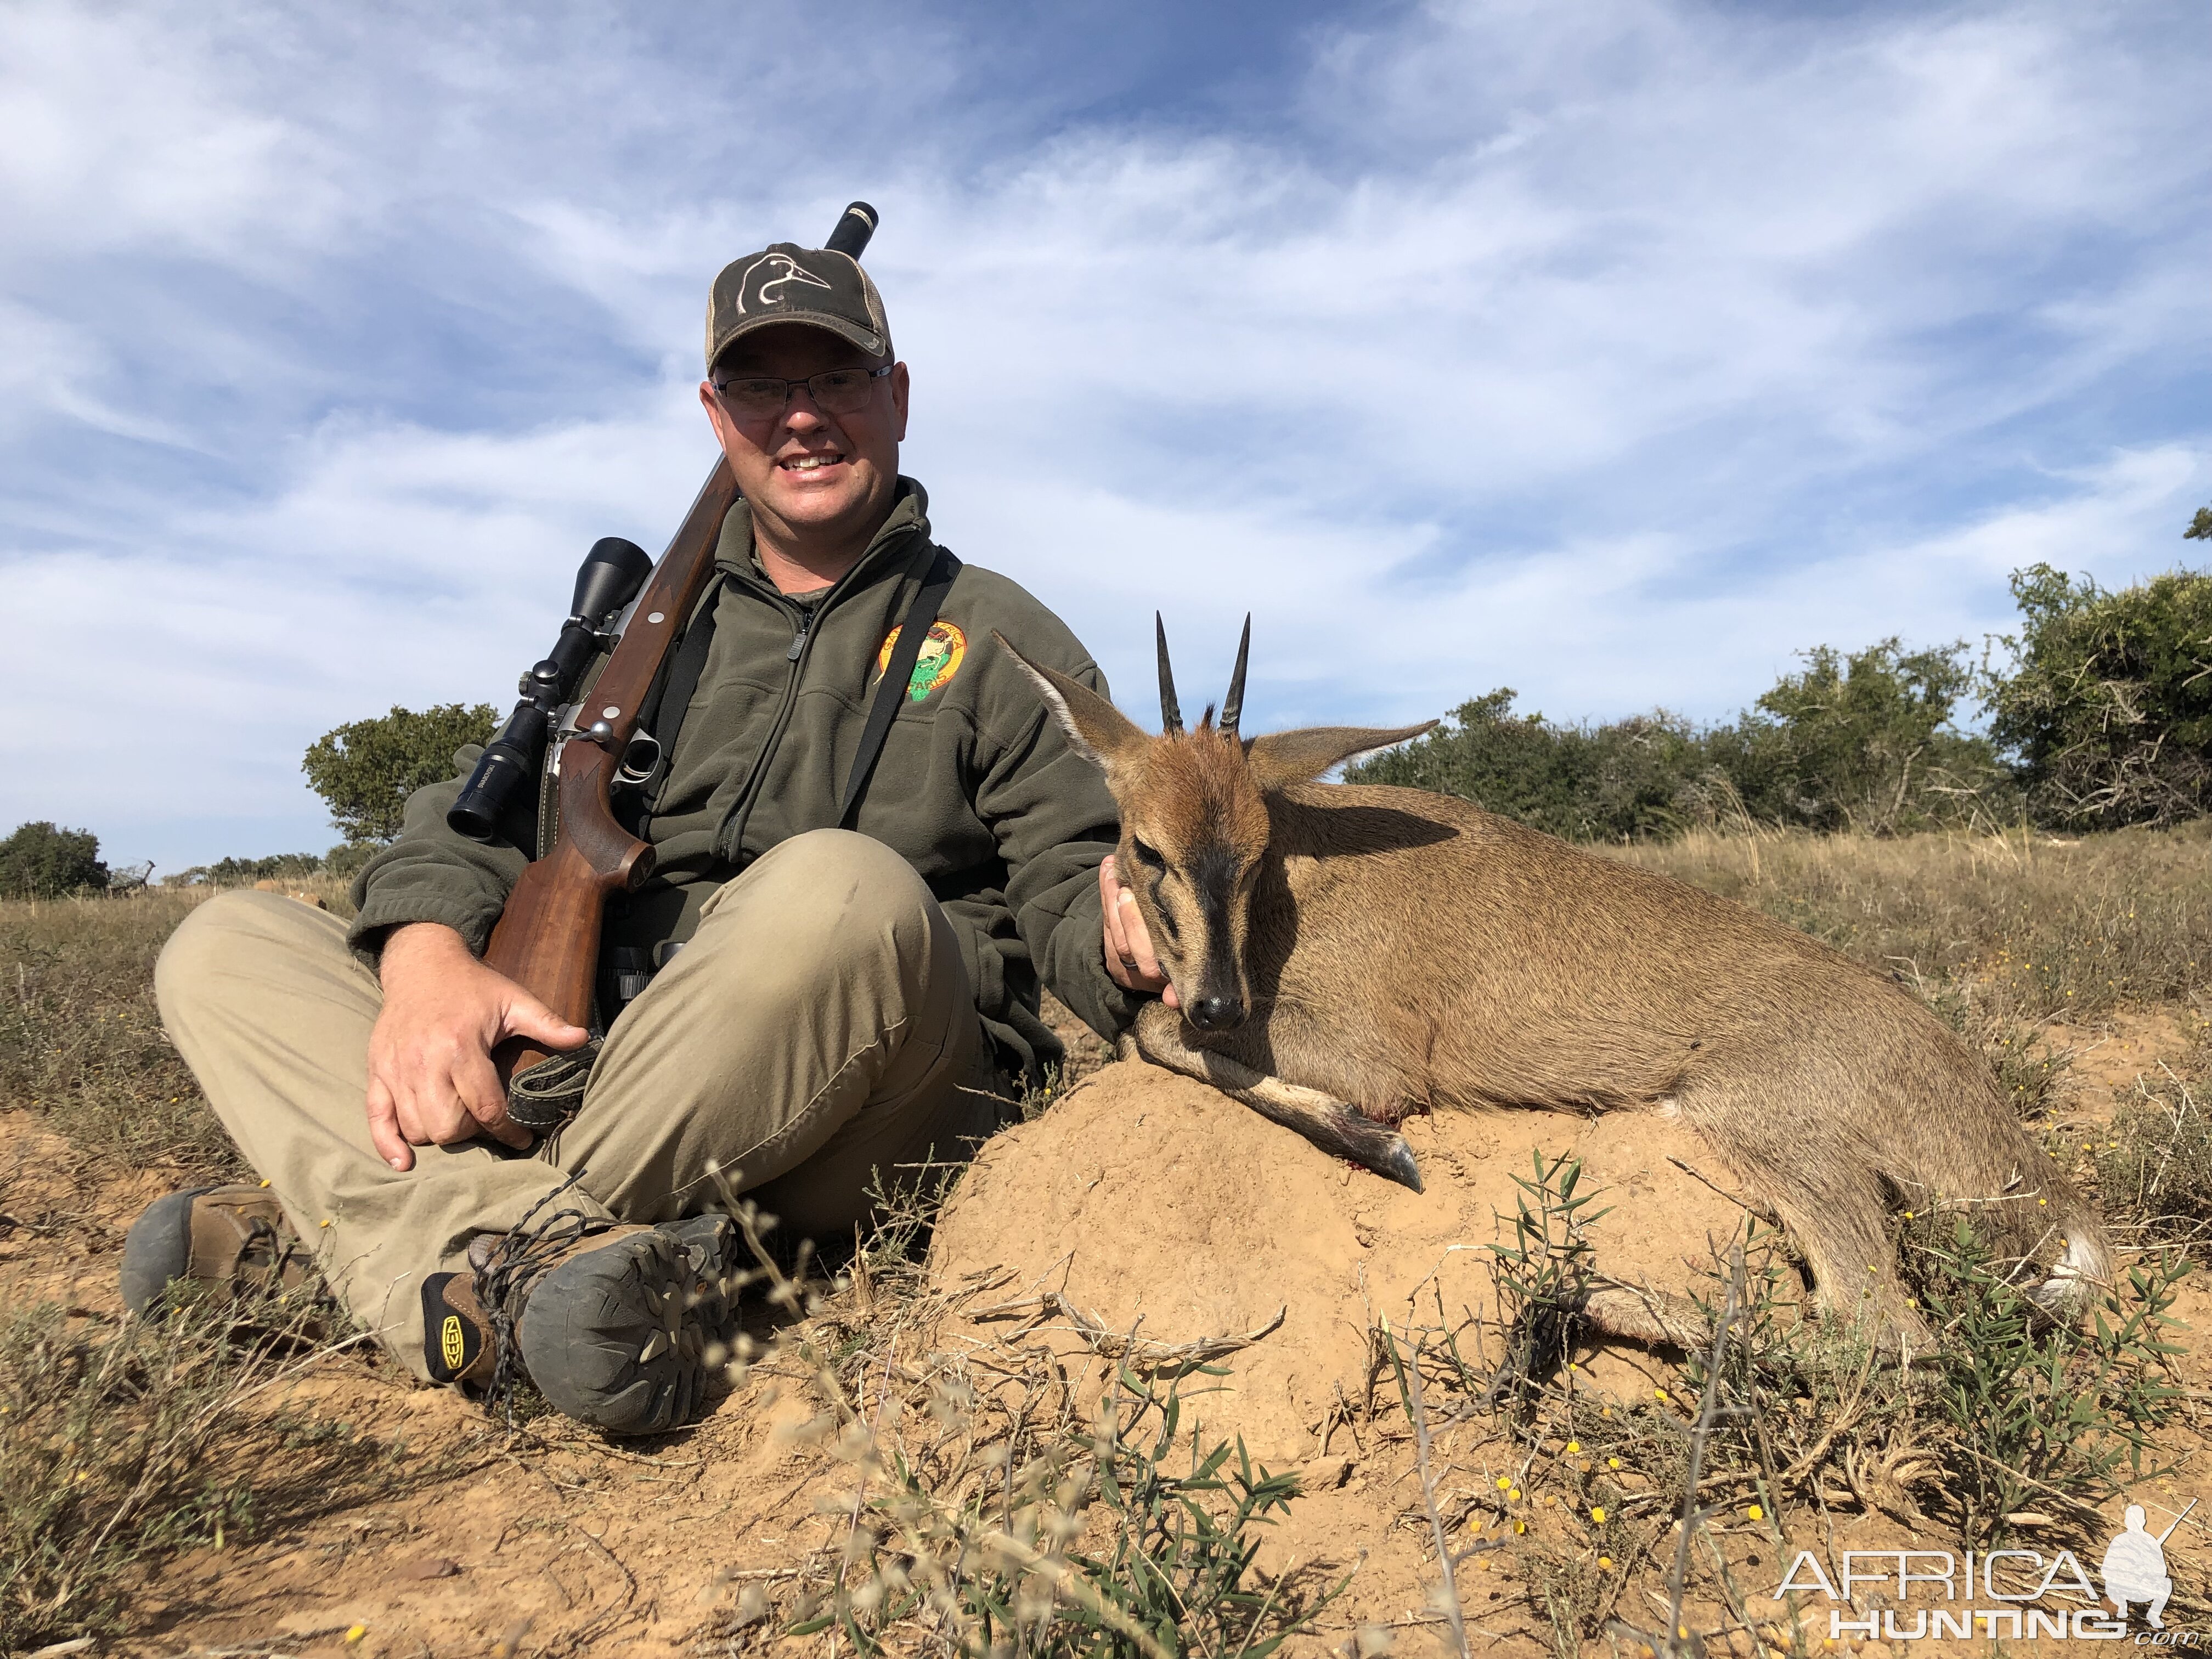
(548, 936)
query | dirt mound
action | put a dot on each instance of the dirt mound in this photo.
(1143, 1196)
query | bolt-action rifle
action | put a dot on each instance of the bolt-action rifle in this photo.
(547, 939)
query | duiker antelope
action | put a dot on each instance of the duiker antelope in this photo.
(1346, 955)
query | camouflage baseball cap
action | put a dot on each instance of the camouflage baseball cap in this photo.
(786, 283)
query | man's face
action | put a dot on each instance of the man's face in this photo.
(812, 479)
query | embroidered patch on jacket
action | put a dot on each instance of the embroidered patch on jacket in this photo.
(942, 650)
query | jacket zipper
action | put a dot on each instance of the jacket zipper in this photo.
(729, 844)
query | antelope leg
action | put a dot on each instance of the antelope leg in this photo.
(1641, 1314)
(1339, 1129)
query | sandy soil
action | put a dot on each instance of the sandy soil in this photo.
(1147, 1203)
(1155, 1204)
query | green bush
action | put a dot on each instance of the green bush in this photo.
(1584, 782)
(347, 858)
(366, 769)
(42, 861)
(2109, 702)
(1863, 741)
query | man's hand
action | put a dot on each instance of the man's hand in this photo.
(1129, 959)
(430, 1077)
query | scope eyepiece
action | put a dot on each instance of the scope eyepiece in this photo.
(612, 572)
(503, 773)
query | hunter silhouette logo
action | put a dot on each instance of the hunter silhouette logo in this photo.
(769, 272)
(452, 1342)
(2135, 1566)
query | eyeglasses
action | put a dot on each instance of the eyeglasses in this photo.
(835, 392)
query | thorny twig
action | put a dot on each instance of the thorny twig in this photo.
(1145, 1355)
(1692, 1515)
(1409, 1385)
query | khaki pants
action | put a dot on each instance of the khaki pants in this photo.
(817, 1031)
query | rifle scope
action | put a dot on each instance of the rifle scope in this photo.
(612, 572)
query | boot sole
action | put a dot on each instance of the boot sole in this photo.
(618, 1336)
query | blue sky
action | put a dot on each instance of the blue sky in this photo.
(1613, 351)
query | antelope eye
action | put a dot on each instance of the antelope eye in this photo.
(1147, 856)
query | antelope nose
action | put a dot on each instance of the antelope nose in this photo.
(1216, 1013)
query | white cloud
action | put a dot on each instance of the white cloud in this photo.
(1611, 352)
(123, 137)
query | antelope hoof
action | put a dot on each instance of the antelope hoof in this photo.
(1396, 1162)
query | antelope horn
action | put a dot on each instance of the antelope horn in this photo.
(1171, 710)
(1233, 705)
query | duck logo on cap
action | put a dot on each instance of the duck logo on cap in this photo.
(769, 272)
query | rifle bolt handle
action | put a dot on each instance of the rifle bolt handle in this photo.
(598, 730)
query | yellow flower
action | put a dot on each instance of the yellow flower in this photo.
(1598, 1515)
(1661, 1392)
(355, 1634)
(1505, 1483)
(1514, 1494)
(1612, 1462)
(1574, 1446)
(1520, 1526)
(1756, 1513)
(1605, 1560)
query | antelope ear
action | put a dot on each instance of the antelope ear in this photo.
(1099, 731)
(1283, 757)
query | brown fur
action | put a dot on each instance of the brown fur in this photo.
(1392, 950)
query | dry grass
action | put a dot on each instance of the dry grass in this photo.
(2154, 1161)
(121, 1441)
(2039, 928)
(80, 1040)
(1778, 1427)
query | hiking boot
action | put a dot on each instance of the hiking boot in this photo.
(234, 1234)
(611, 1323)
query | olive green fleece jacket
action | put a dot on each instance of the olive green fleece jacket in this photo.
(976, 786)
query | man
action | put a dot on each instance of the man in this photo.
(795, 1009)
